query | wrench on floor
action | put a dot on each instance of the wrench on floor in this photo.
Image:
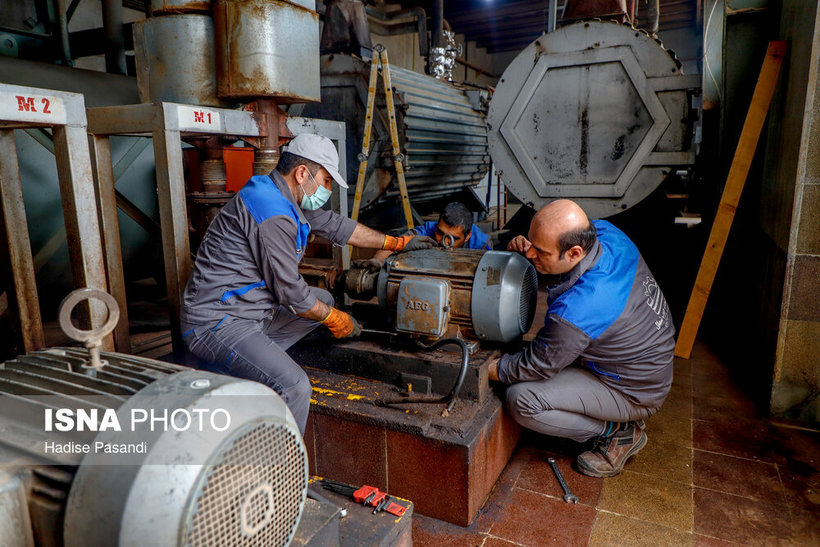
(568, 496)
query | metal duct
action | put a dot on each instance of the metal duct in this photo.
(442, 136)
(245, 484)
(597, 112)
(175, 60)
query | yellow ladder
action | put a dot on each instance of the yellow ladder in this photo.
(379, 62)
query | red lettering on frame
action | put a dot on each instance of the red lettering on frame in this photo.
(25, 103)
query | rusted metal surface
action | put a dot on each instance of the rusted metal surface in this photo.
(471, 446)
(321, 273)
(22, 264)
(423, 306)
(557, 133)
(456, 268)
(392, 360)
(81, 217)
(462, 293)
(361, 283)
(110, 229)
(176, 60)
(267, 48)
(272, 124)
(171, 7)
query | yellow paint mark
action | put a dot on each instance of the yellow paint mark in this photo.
(333, 393)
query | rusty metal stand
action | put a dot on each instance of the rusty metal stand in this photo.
(27, 107)
(167, 124)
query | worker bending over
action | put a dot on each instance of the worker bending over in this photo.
(455, 221)
(602, 362)
(246, 302)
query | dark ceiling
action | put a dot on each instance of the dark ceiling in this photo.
(510, 25)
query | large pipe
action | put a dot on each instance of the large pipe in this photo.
(62, 32)
(114, 37)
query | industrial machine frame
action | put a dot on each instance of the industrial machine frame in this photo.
(65, 113)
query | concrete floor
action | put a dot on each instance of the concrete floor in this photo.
(713, 473)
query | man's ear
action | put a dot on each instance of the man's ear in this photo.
(467, 236)
(576, 252)
(299, 173)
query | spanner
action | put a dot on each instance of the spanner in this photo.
(568, 496)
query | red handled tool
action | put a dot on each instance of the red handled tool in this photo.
(366, 495)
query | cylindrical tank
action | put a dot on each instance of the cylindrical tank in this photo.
(596, 112)
(176, 61)
(437, 292)
(173, 7)
(240, 479)
(267, 48)
(442, 133)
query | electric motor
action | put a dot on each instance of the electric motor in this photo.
(438, 292)
(216, 460)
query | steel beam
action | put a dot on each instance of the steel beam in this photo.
(173, 214)
(81, 220)
(22, 264)
(107, 204)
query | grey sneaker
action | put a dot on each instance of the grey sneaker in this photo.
(609, 454)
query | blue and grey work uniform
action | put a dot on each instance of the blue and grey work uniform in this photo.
(478, 239)
(239, 311)
(610, 312)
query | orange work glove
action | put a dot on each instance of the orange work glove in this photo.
(408, 243)
(341, 325)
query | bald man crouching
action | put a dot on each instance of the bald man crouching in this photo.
(602, 362)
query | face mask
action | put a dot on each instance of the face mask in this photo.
(315, 200)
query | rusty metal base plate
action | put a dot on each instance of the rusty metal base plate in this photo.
(398, 363)
(446, 465)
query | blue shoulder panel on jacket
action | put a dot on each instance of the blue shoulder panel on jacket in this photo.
(427, 229)
(264, 200)
(599, 296)
(478, 239)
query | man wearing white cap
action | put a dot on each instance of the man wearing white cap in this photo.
(246, 303)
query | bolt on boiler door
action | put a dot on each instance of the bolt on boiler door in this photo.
(594, 112)
(422, 306)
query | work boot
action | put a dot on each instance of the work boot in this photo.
(609, 454)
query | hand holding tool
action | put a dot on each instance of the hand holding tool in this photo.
(568, 496)
(341, 324)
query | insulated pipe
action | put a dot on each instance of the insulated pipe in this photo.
(62, 32)
(114, 38)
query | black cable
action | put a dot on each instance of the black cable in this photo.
(450, 398)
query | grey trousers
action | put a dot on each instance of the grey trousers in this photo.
(572, 404)
(255, 350)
